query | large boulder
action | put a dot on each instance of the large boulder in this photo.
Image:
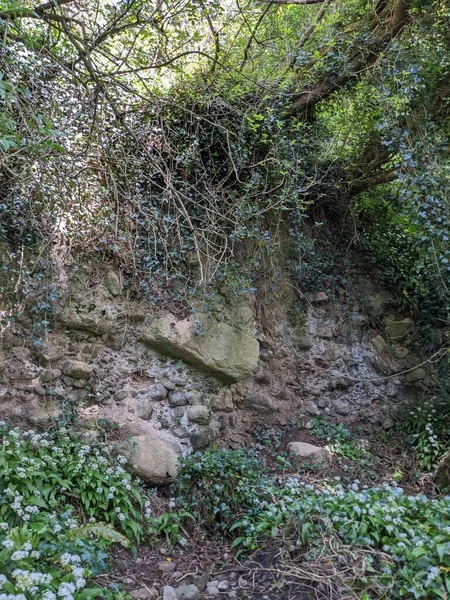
(224, 346)
(153, 456)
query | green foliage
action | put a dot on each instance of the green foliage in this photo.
(340, 440)
(60, 500)
(428, 429)
(219, 484)
(408, 537)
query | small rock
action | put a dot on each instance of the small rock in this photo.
(318, 298)
(311, 408)
(116, 341)
(211, 590)
(50, 355)
(187, 592)
(322, 403)
(166, 567)
(223, 401)
(400, 352)
(200, 581)
(387, 423)
(141, 594)
(200, 439)
(112, 283)
(178, 398)
(168, 593)
(310, 453)
(155, 392)
(341, 382)
(39, 390)
(242, 583)
(169, 385)
(232, 595)
(416, 375)
(223, 586)
(198, 414)
(180, 431)
(50, 375)
(342, 408)
(261, 403)
(326, 331)
(121, 395)
(77, 369)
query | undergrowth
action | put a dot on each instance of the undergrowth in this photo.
(405, 538)
(63, 503)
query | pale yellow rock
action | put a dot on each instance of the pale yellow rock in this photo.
(226, 348)
(153, 457)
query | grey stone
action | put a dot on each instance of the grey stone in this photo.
(304, 452)
(168, 593)
(50, 355)
(136, 315)
(144, 409)
(311, 408)
(198, 414)
(212, 590)
(112, 283)
(50, 375)
(187, 592)
(141, 594)
(232, 595)
(116, 341)
(387, 423)
(39, 390)
(322, 403)
(169, 385)
(121, 395)
(200, 439)
(77, 369)
(341, 382)
(155, 392)
(342, 408)
(416, 375)
(79, 384)
(224, 585)
(94, 322)
(261, 403)
(194, 398)
(180, 431)
(178, 398)
(166, 566)
(200, 581)
(326, 331)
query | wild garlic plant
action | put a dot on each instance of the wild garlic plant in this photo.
(62, 504)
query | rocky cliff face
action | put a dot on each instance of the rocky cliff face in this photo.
(172, 384)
